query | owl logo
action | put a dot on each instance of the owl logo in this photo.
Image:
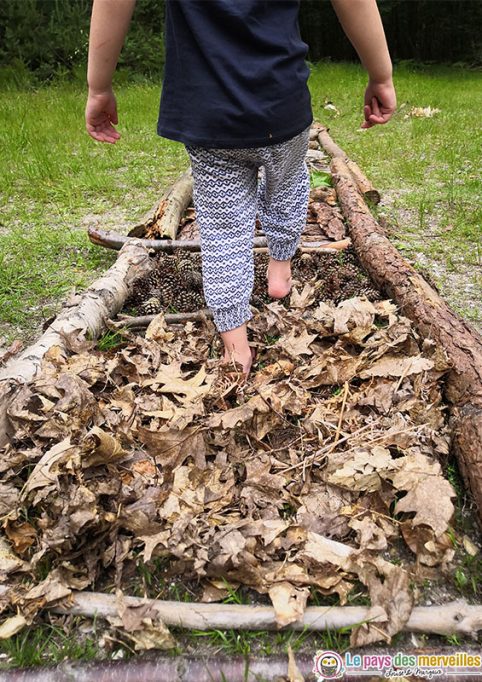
(327, 665)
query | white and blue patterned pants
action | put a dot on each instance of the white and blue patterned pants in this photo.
(227, 196)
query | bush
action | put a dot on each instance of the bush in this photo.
(49, 38)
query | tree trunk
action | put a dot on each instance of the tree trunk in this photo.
(432, 317)
(336, 152)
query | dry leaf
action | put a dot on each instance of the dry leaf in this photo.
(395, 366)
(360, 470)
(11, 626)
(46, 471)
(21, 535)
(439, 512)
(289, 602)
(99, 447)
(8, 561)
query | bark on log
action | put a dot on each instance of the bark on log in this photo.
(432, 317)
(92, 308)
(336, 152)
(168, 212)
(363, 183)
(114, 240)
(447, 619)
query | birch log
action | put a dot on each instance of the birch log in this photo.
(86, 316)
(164, 221)
(446, 619)
(434, 320)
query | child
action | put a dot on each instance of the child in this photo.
(235, 93)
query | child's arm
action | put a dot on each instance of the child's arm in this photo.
(363, 26)
(108, 28)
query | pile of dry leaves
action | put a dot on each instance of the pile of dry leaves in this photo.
(307, 478)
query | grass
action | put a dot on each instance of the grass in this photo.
(46, 644)
(55, 181)
(427, 169)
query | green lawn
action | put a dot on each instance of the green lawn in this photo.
(55, 181)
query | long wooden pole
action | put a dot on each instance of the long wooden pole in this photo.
(114, 240)
(447, 619)
(432, 317)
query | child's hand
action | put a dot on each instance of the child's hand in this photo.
(380, 103)
(100, 114)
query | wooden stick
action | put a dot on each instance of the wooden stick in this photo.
(102, 300)
(447, 619)
(114, 240)
(168, 212)
(307, 247)
(126, 321)
(361, 180)
(433, 319)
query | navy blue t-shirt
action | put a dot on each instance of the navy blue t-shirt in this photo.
(235, 73)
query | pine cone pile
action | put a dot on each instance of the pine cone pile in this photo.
(175, 285)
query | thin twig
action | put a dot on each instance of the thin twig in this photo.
(327, 448)
(340, 419)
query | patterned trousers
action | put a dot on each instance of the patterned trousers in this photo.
(231, 187)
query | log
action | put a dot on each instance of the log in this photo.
(336, 152)
(115, 240)
(433, 319)
(447, 619)
(363, 183)
(169, 210)
(87, 316)
(110, 239)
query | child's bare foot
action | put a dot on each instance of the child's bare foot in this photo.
(233, 357)
(279, 278)
(237, 349)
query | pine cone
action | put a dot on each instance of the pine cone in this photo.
(151, 307)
